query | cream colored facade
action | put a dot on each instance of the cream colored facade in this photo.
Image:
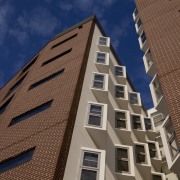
(107, 151)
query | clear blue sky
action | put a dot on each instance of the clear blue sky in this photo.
(26, 25)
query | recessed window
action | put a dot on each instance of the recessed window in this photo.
(157, 177)
(98, 81)
(139, 23)
(42, 81)
(140, 154)
(101, 58)
(119, 71)
(5, 105)
(90, 165)
(67, 39)
(148, 124)
(13, 88)
(133, 98)
(120, 120)
(157, 89)
(95, 115)
(57, 57)
(122, 160)
(152, 150)
(143, 37)
(136, 121)
(103, 41)
(18, 160)
(171, 139)
(119, 91)
(135, 12)
(29, 65)
(31, 113)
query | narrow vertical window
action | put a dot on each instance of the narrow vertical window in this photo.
(90, 165)
(122, 160)
(101, 58)
(95, 115)
(98, 81)
(119, 92)
(103, 41)
(140, 154)
(119, 71)
(143, 37)
(133, 98)
(136, 121)
(120, 119)
(152, 150)
(148, 124)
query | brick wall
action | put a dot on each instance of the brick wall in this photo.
(161, 23)
(50, 131)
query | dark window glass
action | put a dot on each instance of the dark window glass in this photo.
(103, 41)
(136, 122)
(157, 177)
(139, 23)
(120, 119)
(133, 98)
(101, 58)
(119, 71)
(88, 174)
(122, 163)
(69, 38)
(4, 106)
(148, 124)
(140, 154)
(136, 12)
(90, 159)
(13, 88)
(31, 113)
(42, 81)
(143, 37)
(29, 65)
(119, 91)
(152, 150)
(98, 81)
(57, 57)
(16, 161)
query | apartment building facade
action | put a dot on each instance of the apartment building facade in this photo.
(158, 25)
(72, 113)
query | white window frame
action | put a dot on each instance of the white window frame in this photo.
(141, 121)
(104, 80)
(152, 124)
(125, 120)
(124, 91)
(157, 150)
(106, 59)
(107, 41)
(159, 174)
(123, 71)
(101, 162)
(138, 98)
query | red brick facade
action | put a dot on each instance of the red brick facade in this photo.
(49, 131)
(161, 23)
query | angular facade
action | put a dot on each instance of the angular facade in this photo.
(158, 25)
(72, 113)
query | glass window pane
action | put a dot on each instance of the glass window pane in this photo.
(122, 153)
(133, 98)
(157, 177)
(95, 109)
(90, 159)
(119, 71)
(98, 77)
(102, 41)
(121, 124)
(147, 122)
(88, 174)
(122, 166)
(98, 85)
(94, 120)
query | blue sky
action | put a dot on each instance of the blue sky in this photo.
(25, 26)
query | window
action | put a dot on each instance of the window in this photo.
(157, 89)
(13, 88)
(157, 177)
(120, 119)
(140, 154)
(57, 57)
(171, 139)
(148, 125)
(103, 41)
(119, 92)
(13, 162)
(95, 115)
(135, 12)
(42, 81)
(122, 160)
(152, 150)
(4, 106)
(31, 113)
(119, 71)
(98, 81)
(139, 23)
(143, 37)
(67, 39)
(29, 65)
(136, 121)
(90, 165)
(101, 58)
(133, 98)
